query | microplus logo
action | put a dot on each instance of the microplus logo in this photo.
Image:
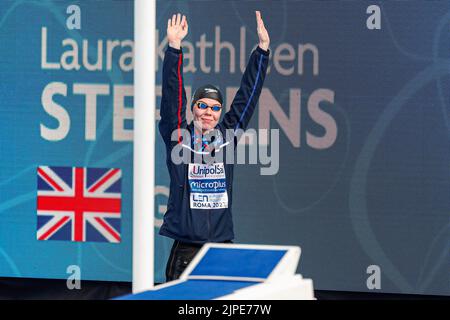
(208, 185)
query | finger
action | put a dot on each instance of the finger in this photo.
(258, 16)
(261, 25)
(183, 21)
(174, 18)
(178, 19)
(168, 23)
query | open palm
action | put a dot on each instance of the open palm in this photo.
(177, 29)
(263, 35)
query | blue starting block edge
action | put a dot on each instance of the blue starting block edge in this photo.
(221, 269)
(191, 290)
(237, 262)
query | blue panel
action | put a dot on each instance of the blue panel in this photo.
(42, 220)
(115, 187)
(42, 185)
(238, 262)
(93, 235)
(113, 222)
(23, 80)
(94, 174)
(64, 233)
(64, 173)
(191, 290)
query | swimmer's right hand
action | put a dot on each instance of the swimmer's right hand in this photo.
(177, 29)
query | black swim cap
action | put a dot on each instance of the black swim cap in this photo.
(207, 91)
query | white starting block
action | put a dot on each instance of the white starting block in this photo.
(237, 272)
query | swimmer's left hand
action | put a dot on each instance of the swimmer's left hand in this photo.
(263, 35)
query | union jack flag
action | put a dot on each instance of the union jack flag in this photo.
(78, 204)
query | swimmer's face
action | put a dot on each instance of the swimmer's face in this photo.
(207, 113)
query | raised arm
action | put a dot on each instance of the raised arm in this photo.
(173, 102)
(246, 98)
